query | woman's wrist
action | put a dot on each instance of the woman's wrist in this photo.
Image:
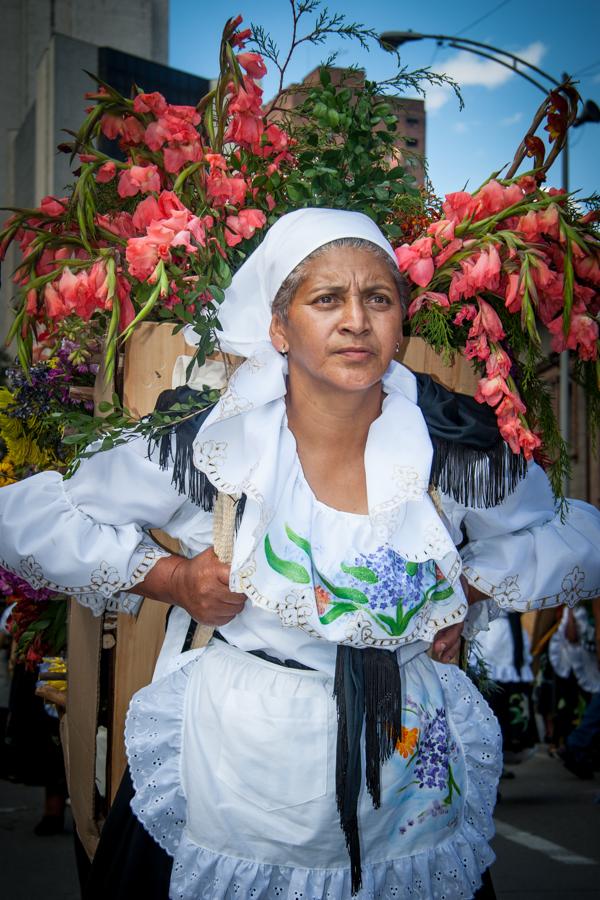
(164, 582)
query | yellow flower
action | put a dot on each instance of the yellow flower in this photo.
(407, 746)
(7, 472)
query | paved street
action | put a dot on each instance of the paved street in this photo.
(548, 844)
(546, 802)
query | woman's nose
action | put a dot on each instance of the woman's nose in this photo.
(354, 316)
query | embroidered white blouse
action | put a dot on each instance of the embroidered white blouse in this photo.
(315, 576)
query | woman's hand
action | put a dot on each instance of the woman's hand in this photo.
(200, 585)
(446, 643)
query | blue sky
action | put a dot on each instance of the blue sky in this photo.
(462, 147)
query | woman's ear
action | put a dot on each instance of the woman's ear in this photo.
(277, 334)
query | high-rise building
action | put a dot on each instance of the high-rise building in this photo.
(47, 47)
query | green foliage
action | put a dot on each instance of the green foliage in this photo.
(88, 434)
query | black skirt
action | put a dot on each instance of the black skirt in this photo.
(129, 863)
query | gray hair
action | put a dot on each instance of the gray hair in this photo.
(287, 291)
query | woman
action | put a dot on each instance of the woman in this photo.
(315, 750)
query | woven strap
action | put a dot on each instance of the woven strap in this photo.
(223, 535)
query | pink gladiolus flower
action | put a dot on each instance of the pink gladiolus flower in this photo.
(169, 203)
(415, 260)
(52, 206)
(442, 230)
(492, 390)
(223, 190)
(31, 302)
(81, 293)
(535, 224)
(146, 212)
(477, 347)
(528, 442)
(588, 268)
(447, 252)
(245, 129)
(243, 225)
(510, 427)
(153, 103)
(433, 297)
(510, 406)
(216, 161)
(169, 225)
(247, 98)
(479, 272)
(528, 184)
(111, 126)
(465, 314)
(126, 309)
(498, 363)
(253, 63)
(179, 155)
(494, 197)
(583, 335)
(458, 206)
(142, 257)
(132, 131)
(138, 179)
(278, 139)
(514, 293)
(487, 321)
(240, 38)
(106, 172)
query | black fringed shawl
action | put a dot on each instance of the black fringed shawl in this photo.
(471, 462)
(473, 465)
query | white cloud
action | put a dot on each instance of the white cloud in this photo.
(512, 120)
(470, 70)
(460, 127)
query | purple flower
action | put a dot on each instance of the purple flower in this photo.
(397, 580)
(11, 585)
(431, 765)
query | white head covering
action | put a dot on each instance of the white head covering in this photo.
(245, 314)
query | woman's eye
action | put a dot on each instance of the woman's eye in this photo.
(380, 300)
(325, 300)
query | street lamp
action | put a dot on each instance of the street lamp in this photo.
(591, 113)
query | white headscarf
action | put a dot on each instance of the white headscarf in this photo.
(245, 314)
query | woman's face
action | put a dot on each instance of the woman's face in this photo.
(344, 321)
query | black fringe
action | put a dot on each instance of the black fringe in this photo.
(473, 476)
(367, 690)
(516, 630)
(240, 506)
(383, 714)
(186, 477)
(348, 690)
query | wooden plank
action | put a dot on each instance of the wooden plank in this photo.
(79, 724)
(418, 356)
(150, 356)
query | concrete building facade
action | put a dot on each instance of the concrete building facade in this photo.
(44, 46)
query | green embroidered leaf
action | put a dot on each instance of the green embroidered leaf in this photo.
(362, 573)
(442, 595)
(411, 568)
(336, 611)
(299, 541)
(344, 593)
(391, 624)
(291, 570)
(408, 616)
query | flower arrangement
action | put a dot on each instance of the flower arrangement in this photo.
(157, 232)
(499, 265)
(38, 619)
